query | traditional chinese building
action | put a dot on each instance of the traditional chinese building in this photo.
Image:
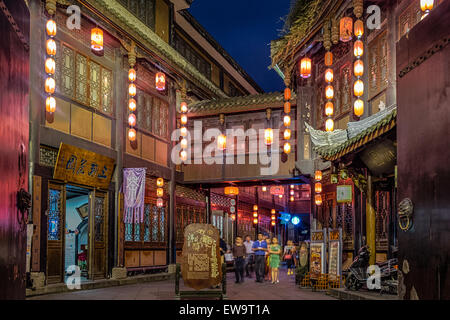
(78, 152)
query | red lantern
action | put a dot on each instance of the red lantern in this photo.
(160, 81)
(358, 48)
(329, 109)
(318, 175)
(96, 39)
(287, 107)
(51, 28)
(51, 47)
(287, 94)
(287, 134)
(318, 199)
(183, 107)
(359, 28)
(132, 134)
(50, 85)
(329, 75)
(346, 29)
(132, 75)
(358, 68)
(50, 66)
(305, 68)
(233, 191)
(132, 104)
(273, 223)
(328, 58)
(50, 104)
(132, 120)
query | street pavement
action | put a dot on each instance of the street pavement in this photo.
(165, 290)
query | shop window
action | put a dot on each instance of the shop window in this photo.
(54, 215)
(99, 209)
(152, 229)
(142, 9)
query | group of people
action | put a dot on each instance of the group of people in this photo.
(264, 255)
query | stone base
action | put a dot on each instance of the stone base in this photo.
(171, 268)
(119, 273)
(38, 279)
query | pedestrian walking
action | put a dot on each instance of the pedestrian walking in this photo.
(274, 251)
(249, 256)
(259, 248)
(239, 253)
(289, 258)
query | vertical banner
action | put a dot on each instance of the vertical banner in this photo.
(134, 193)
(334, 254)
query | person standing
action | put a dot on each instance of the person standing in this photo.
(267, 272)
(274, 251)
(239, 253)
(288, 257)
(249, 256)
(259, 248)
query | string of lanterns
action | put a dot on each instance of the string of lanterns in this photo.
(287, 118)
(292, 193)
(318, 187)
(358, 67)
(273, 217)
(132, 93)
(255, 214)
(222, 139)
(159, 192)
(183, 121)
(50, 64)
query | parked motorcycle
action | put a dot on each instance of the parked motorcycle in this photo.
(357, 275)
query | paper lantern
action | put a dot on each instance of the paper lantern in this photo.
(287, 120)
(255, 207)
(233, 217)
(183, 143)
(280, 196)
(50, 85)
(329, 75)
(51, 28)
(51, 47)
(287, 107)
(426, 5)
(183, 131)
(50, 104)
(329, 125)
(131, 104)
(292, 192)
(273, 218)
(329, 109)
(183, 155)
(264, 188)
(287, 94)
(318, 199)
(96, 39)
(183, 107)
(132, 134)
(292, 198)
(346, 29)
(291, 186)
(159, 192)
(50, 66)
(232, 191)
(273, 223)
(255, 221)
(305, 68)
(358, 88)
(328, 59)
(318, 175)
(358, 48)
(359, 28)
(132, 120)
(222, 142)
(132, 75)
(318, 187)
(160, 182)
(287, 134)
(268, 136)
(183, 119)
(159, 203)
(358, 108)
(273, 211)
(358, 68)
(160, 81)
(287, 148)
(132, 89)
(329, 92)
(255, 214)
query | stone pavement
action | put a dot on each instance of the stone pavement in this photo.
(165, 290)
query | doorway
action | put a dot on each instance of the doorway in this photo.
(76, 234)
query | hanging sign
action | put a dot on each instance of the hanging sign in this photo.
(83, 167)
(277, 190)
(344, 193)
(201, 264)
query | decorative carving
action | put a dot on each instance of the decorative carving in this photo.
(358, 8)
(132, 54)
(405, 211)
(50, 6)
(334, 31)
(327, 35)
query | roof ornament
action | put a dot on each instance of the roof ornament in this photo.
(334, 31)
(132, 54)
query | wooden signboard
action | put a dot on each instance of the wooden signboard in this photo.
(334, 253)
(344, 193)
(317, 257)
(201, 264)
(83, 167)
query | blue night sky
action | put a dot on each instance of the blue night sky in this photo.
(244, 28)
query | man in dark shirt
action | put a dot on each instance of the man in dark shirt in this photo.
(260, 248)
(239, 260)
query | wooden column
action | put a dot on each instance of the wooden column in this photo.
(391, 90)
(370, 220)
(172, 256)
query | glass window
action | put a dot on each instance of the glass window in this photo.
(54, 215)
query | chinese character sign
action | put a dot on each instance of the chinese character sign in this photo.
(83, 166)
(134, 193)
(201, 267)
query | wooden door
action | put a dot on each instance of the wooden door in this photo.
(55, 233)
(98, 235)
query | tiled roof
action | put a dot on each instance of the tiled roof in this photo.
(375, 130)
(239, 104)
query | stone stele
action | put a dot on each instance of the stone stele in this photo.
(201, 263)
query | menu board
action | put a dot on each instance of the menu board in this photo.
(201, 264)
(334, 254)
(316, 260)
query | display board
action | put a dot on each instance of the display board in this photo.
(201, 264)
(317, 265)
(334, 254)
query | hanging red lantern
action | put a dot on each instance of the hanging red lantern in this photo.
(358, 108)
(96, 39)
(50, 104)
(318, 199)
(159, 202)
(255, 207)
(51, 47)
(131, 104)
(318, 175)
(132, 75)
(183, 107)
(255, 214)
(329, 75)
(329, 92)
(232, 191)
(132, 134)
(222, 142)
(328, 59)
(358, 48)
(50, 66)
(233, 217)
(359, 28)
(159, 192)
(160, 81)
(346, 29)
(287, 134)
(329, 109)
(358, 68)
(160, 182)
(329, 125)
(268, 136)
(287, 107)
(132, 120)
(358, 88)
(255, 221)
(273, 211)
(51, 28)
(318, 187)
(287, 121)
(183, 131)
(132, 89)
(183, 143)
(305, 68)
(183, 119)
(273, 223)
(183, 155)
(287, 148)
(50, 85)
(287, 94)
